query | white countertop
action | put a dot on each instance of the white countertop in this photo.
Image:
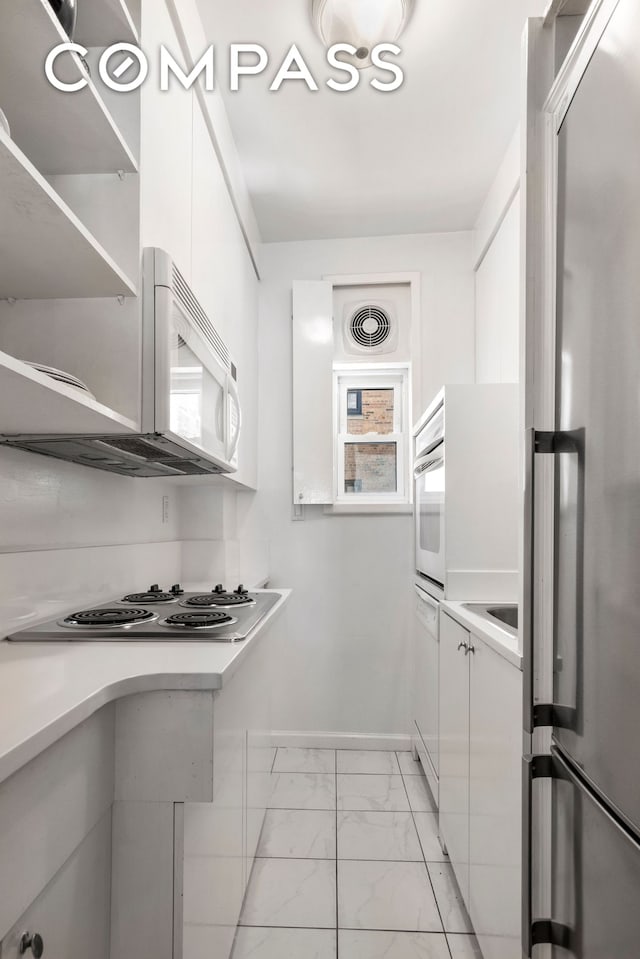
(498, 639)
(48, 689)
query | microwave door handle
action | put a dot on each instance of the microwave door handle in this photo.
(427, 464)
(233, 397)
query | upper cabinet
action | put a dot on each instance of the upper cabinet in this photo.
(59, 132)
(166, 151)
(87, 180)
(187, 209)
(51, 244)
(225, 281)
(497, 272)
(69, 216)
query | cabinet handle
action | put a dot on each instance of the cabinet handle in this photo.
(464, 646)
(34, 942)
(470, 649)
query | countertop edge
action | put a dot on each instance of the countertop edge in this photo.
(27, 749)
(491, 635)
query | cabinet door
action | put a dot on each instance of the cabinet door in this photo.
(425, 684)
(220, 838)
(214, 844)
(454, 747)
(218, 243)
(72, 914)
(225, 283)
(166, 150)
(495, 802)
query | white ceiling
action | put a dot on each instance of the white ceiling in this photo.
(365, 163)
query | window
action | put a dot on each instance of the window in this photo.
(372, 444)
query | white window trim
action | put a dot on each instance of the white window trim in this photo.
(360, 376)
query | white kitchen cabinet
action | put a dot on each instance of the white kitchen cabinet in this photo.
(55, 845)
(214, 839)
(215, 230)
(220, 838)
(425, 675)
(59, 133)
(48, 808)
(260, 753)
(72, 914)
(166, 150)
(187, 209)
(225, 282)
(454, 747)
(495, 749)
(480, 791)
(498, 304)
(45, 249)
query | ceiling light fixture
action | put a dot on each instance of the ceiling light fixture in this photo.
(362, 23)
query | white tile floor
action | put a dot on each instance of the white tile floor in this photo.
(349, 865)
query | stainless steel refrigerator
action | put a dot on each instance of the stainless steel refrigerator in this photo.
(593, 765)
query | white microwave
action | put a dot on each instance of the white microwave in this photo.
(190, 413)
(189, 392)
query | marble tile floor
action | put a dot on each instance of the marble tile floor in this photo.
(349, 865)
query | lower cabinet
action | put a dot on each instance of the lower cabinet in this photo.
(55, 845)
(217, 841)
(454, 748)
(72, 914)
(425, 669)
(480, 787)
(137, 831)
(213, 854)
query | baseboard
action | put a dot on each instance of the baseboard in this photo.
(341, 740)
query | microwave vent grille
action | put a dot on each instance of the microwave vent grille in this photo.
(183, 293)
(137, 446)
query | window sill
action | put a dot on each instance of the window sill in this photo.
(372, 509)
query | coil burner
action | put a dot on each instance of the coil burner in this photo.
(107, 618)
(199, 619)
(155, 595)
(220, 598)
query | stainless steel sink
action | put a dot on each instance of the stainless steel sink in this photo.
(504, 616)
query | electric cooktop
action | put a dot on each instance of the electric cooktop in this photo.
(158, 615)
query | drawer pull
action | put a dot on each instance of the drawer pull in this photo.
(35, 943)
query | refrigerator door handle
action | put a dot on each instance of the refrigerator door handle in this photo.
(536, 932)
(549, 443)
(528, 578)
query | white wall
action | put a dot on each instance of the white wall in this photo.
(497, 265)
(345, 665)
(70, 533)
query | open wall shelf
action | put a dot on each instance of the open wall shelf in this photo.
(103, 22)
(45, 251)
(59, 132)
(32, 402)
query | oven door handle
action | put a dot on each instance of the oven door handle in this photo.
(426, 599)
(426, 464)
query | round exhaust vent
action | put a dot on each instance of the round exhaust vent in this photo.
(370, 326)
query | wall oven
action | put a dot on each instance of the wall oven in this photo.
(429, 473)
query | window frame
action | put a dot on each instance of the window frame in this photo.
(351, 377)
